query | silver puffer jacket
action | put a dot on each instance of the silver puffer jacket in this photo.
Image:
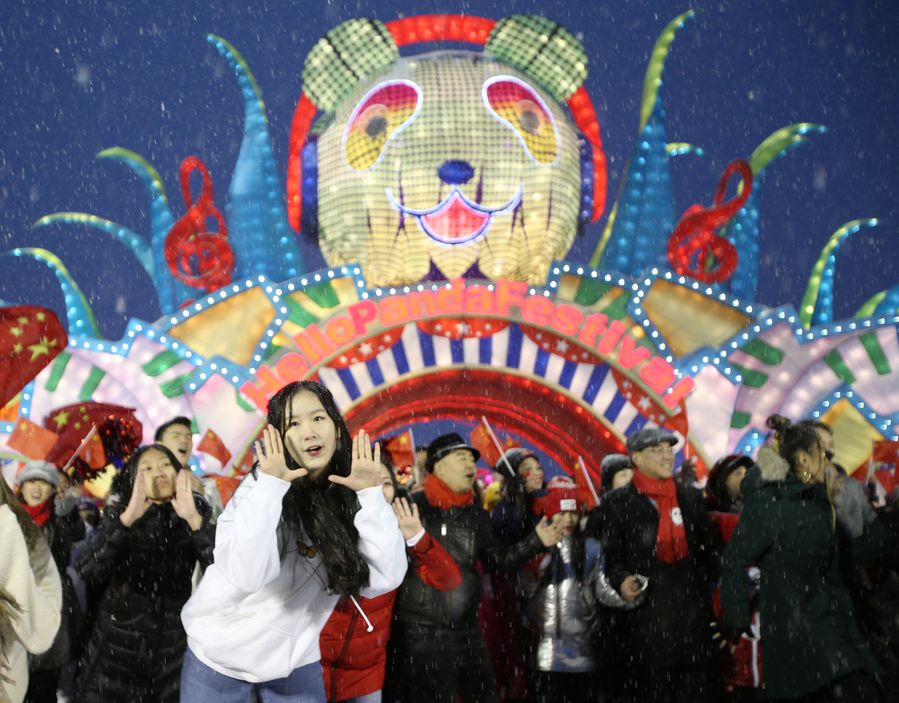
(562, 610)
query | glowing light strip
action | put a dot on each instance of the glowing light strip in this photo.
(884, 424)
(237, 374)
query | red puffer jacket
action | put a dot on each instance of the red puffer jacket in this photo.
(354, 656)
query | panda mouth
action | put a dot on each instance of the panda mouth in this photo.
(456, 219)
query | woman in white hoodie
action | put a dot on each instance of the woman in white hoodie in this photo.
(30, 596)
(308, 525)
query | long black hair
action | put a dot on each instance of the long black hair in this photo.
(316, 509)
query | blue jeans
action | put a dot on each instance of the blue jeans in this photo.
(200, 684)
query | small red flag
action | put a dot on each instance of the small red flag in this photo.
(32, 440)
(400, 449)
(226, 485)
(212, 444)
(480, 439)
(586, 486)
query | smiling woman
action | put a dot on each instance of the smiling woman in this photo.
(308, 525)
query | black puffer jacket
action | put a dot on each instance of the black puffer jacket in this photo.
(465, 533)
(135, 650)
(671, 627)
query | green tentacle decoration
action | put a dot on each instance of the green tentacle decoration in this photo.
(131, 239)
(682, 148)
(653, 79)
(80, 317)
(867, 310)
(781, 141)
(817, 303)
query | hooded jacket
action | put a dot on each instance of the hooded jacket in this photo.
(807, 621)
(257, 614)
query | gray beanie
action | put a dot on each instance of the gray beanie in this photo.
(39, 470)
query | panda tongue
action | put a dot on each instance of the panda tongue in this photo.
(455, 222)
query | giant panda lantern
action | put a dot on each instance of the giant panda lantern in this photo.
(449, 163)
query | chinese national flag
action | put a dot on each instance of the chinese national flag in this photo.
(480, 439)
(32, 440)
(400, 449)
(585, 496)
(94, 454)
(226, 485)
(30, 337)
(212, 445)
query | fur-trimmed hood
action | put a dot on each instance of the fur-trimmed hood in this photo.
(772, 466)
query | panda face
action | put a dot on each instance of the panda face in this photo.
(448, 164)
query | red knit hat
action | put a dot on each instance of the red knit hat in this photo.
(561, 496)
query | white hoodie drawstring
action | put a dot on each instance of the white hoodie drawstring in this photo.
(362, 613)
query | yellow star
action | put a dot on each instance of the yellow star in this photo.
(23, 320)
(61, 419)
(16, 331)
(39, 349)
(40, 317)
(17, 348)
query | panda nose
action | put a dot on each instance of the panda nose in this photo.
(455, 172)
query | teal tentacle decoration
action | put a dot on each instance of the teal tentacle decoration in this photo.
(171, 293)
(890, 303)
(131, 239)
(743, 230)
(817, 303)
(257, 220)
(80, 317)
(644, 215)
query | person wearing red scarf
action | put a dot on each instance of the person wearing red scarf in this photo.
(662, 553)
(440, 652)
(62, 527)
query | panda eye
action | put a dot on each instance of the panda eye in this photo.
(530, 117)
(518, 107)
(385, 110)
(376, 126)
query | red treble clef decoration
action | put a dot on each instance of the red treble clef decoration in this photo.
(694, 248)
(195, 255)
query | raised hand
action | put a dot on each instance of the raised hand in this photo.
(549, 532)
(183, 502)
(407, 517)
(138, 504)
(271, 458)
(366, 468)
(630, 588)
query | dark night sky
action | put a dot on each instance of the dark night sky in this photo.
(78, 77)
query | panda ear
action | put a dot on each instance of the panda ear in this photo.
(351, 51)
(541, 49)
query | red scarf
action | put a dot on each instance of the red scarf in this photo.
(671, 541)
(40, 513)
(440, 496)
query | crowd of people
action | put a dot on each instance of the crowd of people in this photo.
(323, 578)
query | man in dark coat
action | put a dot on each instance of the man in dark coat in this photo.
(440, 650)
(153, 533)
(662, 547)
